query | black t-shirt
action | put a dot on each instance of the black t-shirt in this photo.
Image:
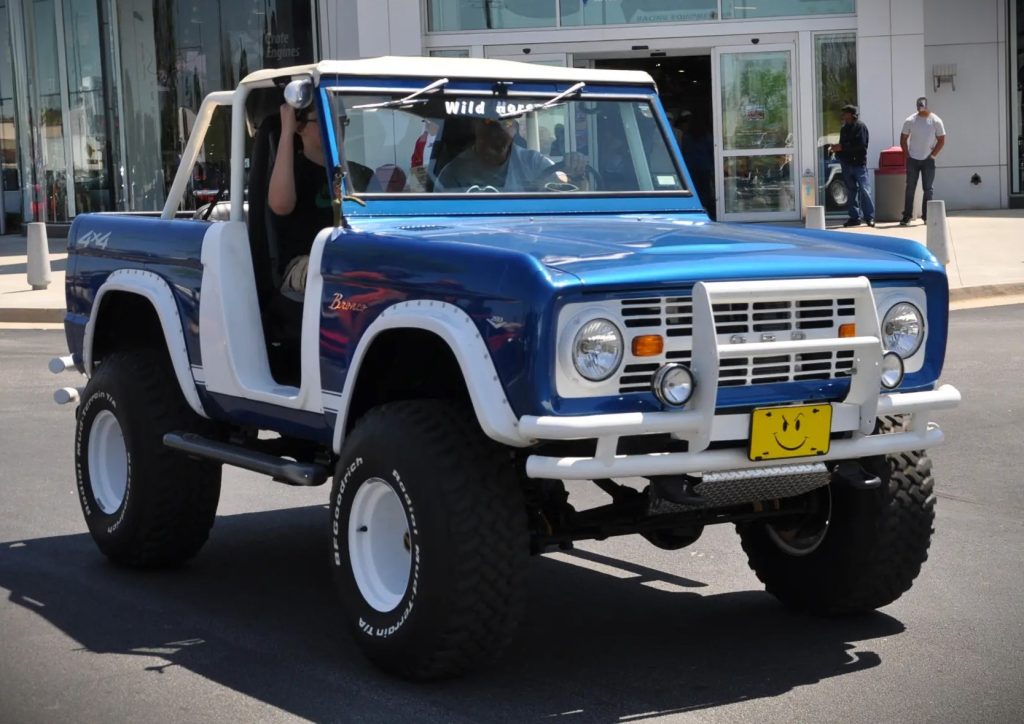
(313, 212)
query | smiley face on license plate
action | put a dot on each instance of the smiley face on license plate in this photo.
(790, 432)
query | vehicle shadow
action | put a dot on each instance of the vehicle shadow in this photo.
(256, 613)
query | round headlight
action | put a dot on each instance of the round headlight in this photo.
(673, 384)
(892, 370)
(903, 329)
(597, 350)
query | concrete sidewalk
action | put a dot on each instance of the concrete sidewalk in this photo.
(986, 264)
(21, 304)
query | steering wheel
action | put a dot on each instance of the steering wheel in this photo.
(590, 174)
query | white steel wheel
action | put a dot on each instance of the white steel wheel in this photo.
(108, 462)
(380, 545)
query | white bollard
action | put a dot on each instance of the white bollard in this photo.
(38, 252)
(61, 364)
(937, 238)
(68, 394)
(815, 217)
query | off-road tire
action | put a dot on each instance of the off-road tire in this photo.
(465, 534)
(168, 501)
(873, 549)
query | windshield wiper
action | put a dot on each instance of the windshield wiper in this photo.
(571, 91)
(409, 100)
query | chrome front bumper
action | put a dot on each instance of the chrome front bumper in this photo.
(607, 429)
(698, 424)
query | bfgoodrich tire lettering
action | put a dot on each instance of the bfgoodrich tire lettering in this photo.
(873, 549)
(145, 504)
(463, 529)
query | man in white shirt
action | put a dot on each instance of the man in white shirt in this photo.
(922, 139)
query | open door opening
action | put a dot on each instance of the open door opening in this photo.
(684, 85)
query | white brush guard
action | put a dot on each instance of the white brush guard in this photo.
(699, 426)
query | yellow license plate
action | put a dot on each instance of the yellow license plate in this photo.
(790, 432)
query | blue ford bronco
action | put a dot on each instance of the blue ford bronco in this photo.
(501, 310)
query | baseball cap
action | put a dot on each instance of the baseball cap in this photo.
(922, 102)
(850, 108)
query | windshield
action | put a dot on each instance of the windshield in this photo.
(473, 144)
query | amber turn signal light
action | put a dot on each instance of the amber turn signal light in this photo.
(648, 345)
(847, 330)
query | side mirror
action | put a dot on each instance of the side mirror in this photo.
(299, 93)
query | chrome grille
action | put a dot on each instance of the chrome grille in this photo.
(672, 317)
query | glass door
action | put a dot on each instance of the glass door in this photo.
(755, 112)
(46, 110)
(835, 85)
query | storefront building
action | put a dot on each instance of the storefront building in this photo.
(97, 96)
(767, 79)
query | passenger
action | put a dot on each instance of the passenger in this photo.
(422, 161)
(299, 196)
(558, 143)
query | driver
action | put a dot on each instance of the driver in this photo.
(494, 163)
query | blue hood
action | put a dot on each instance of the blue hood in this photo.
(663, 251)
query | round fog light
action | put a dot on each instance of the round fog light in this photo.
(892, 370)
(673, 384)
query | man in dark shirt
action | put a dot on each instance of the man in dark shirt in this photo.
(852, 151)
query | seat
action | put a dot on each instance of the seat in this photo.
(262, 231)
(282, 317)
(388, 178)
(455, 137)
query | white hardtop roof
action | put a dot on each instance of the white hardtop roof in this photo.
(468, 68)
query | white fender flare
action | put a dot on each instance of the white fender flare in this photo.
(459, 332)
(153, 288)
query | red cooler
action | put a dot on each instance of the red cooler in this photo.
(890, 183)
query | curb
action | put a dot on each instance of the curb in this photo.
(33, 315)
(958, 294)
(985, 291)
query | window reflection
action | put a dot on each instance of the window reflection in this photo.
(173, 54)
(10, 175)
(87, 118)
(835, 57)
(448, 15)
(756, 100)
(739, 9)
(581, 12)
(758, 183)
(490, 14)
(47, 114)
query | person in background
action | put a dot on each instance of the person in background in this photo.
(558, 145)
(299, 196)
(852, 152)
(922, 139)
(699, 154)
(517, 135)
(423, 152)
(681, 126)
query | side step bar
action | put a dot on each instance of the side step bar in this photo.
(280, 469)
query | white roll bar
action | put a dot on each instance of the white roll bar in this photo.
(192, 148)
